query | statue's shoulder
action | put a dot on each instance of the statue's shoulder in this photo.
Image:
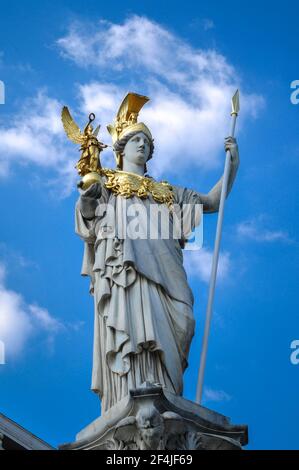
(106, 172)
(163, 191)
(159, 181)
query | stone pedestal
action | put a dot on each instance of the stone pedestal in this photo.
(151, 418)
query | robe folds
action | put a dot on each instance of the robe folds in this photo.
(143, 323)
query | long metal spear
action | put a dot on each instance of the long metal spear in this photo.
(203, 358)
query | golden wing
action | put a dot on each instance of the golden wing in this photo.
(72, 130)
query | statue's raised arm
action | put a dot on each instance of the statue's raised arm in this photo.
(211, 200)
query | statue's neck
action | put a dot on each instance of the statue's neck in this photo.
(133, 168)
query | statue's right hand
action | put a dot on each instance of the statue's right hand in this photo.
(88, 200)
(93, 191)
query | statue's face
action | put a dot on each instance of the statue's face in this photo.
(137, 149)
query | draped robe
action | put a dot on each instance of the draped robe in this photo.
(143, 323)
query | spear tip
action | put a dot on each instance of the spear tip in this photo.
(236, 103)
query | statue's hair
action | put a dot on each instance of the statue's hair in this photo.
(120, 144)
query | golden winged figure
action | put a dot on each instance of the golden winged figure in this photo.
(91, 147)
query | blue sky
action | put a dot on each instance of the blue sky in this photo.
(189, 60)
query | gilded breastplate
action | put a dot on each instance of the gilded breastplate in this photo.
(126, 184)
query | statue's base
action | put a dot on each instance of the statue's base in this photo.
(151, 418)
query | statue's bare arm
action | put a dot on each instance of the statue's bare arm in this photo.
(211, 200)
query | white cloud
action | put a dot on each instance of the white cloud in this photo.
(143, 44)
(199, 264)
(208, 24)
(19, 322)
(254, 229)
(14, 258)
(215, 395)
(188, 114)
(15, 322)
(44, 319)
(35, 136)
(190, 88)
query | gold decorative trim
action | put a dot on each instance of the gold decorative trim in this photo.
(127, 184)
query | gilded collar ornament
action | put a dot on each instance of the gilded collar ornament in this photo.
(126, 184)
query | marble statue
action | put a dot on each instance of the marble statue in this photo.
(143, 319)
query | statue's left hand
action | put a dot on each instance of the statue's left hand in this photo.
(230, 144)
